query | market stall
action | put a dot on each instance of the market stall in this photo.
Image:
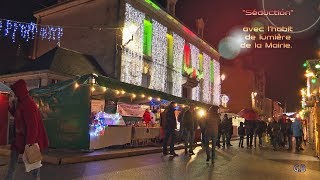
(93, 112)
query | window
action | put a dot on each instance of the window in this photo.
(147, 38)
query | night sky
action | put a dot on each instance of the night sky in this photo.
(284, 67)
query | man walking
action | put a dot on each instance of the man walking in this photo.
(212, 123)
(189, 125)
(170, 126)
(296, 128)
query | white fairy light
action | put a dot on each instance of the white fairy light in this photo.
(216, 83)
(159, 57)
(195, 64)
(178, 44)
(132, 56)
(206, 88)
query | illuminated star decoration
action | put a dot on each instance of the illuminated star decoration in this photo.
(29, 31)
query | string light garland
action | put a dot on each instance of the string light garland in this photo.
(178, 45)
(216, 83)
(29, 31)
(159, 57)
(195, 64)
(207, 88)
(132, 56)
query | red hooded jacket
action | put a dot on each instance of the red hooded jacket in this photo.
(29, 128)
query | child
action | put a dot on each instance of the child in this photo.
(241, 133)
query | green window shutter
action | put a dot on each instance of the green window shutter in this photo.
(147, 38)
(211, 71)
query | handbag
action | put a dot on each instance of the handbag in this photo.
(32, 153)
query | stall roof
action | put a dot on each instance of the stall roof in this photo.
(117, 85)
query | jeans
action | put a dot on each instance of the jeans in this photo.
(169, 133)
(14, 156)
(188, 139)
(224, 137)
(208, 138)
(276, 139)
(218, 139)
(241, 141)
(290, 141)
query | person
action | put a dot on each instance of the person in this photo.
(275, 134)
(224, 130)
(189, 127)
(202, 125)
(241, 133)
(260, 129)
(147, 117)
(211, 126)
(170, 126)
(230, 131)
(29, 128)
(283, 132)
(289, 133)
(250, 126)
(180, 120)
(296, 128)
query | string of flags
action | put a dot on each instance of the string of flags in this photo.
(27, 31)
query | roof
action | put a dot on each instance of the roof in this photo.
(63, 61)
(114, 84)
(12, 64)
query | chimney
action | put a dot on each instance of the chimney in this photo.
(171, 7)
(200, 26)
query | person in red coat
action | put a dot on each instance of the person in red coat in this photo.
(29, 128)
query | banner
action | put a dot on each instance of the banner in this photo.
(133, 110)
(97, 105)
(4, 105)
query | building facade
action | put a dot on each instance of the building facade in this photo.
(137, 42)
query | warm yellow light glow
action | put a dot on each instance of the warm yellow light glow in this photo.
(123, 92)
(142, 95)
(309, 74)
(223, 77)
(76, 85)
(183, 106)
(104, 89)
(150, 98)
(176, 104)
(117, 92)
(201, 112)
(158, 99)
(133, 96)
(93, 89)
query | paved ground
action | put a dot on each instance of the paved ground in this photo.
(233, 163)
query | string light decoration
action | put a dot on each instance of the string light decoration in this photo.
(29, 31)
(207, 88)
(195, 64)
(159, 57)
(132, 56)
(178, 44)
(216, 83)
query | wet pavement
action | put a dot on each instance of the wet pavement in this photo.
(234, 163)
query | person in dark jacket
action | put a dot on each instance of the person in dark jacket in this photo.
(260, 129)
(250, 126)
(29, 128)
(230, 131)
(224, 131)
(241, 133)
(275, 135)
(297, 132)
(170, 126)
(189, 124)
(211, 124)
(289, 133)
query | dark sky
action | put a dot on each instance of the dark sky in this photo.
(283, 67)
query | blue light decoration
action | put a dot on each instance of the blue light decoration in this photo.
(29, 31)
(102, 120)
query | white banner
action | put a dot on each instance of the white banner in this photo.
(134, 110)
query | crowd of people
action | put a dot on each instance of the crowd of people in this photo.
(219, 131)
